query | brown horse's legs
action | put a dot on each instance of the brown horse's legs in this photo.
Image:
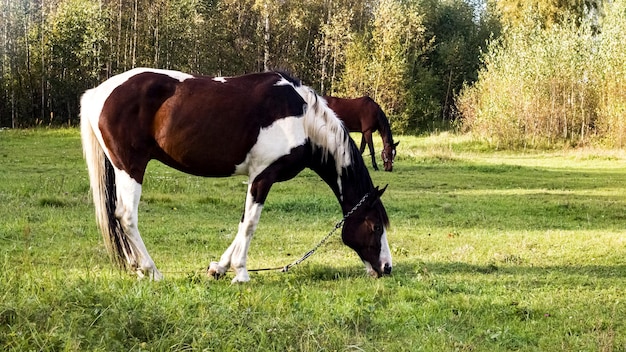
(367, 137)
(363, 143)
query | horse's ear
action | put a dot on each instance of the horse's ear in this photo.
(379, 192)
(395, 145)
(375, 194)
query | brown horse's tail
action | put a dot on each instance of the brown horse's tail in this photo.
(102, 184)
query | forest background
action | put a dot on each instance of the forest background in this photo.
(539, 73)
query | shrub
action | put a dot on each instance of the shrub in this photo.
(544, 87)
(611, 72)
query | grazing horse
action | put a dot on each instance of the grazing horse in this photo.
(365, 115)
(267, 126)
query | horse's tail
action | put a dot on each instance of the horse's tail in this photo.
(102, 183)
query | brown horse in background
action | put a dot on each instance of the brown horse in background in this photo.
(365, 115)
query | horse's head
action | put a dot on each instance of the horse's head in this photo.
(365, 231)
(388, 155)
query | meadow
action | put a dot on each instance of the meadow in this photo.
(493, 251)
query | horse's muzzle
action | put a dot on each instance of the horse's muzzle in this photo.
(387, 269)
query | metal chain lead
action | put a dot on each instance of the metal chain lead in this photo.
(309, 253)
(337, 226)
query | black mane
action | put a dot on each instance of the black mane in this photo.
(296, 82)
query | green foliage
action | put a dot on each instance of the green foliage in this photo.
(548, 12)
(73, 37)
(544, 87)
(336, 35)
(417, 59)
(611, 76)
(379, 65)
(412, 56)
(493, 251)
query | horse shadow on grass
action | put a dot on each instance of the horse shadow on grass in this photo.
(406, 271)
(575, 275)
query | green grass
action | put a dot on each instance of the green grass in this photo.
(493, 251)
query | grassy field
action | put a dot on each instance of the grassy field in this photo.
(493, 251)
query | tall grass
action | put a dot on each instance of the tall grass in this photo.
(612, 76)
(493, 251)
(551, 86)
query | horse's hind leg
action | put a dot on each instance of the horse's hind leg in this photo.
(128, 195)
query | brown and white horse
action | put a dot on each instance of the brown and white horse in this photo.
(266, 125)
(365, 115)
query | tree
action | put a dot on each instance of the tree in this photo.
(548, 12)
(457, 32)
(336, 34)
(74, 38)
(378, 66)
(6, 19)
(20, 82)
(537, 87)
(409, 55)
(611, 75)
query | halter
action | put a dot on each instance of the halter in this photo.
(306, 255)
(386, 157)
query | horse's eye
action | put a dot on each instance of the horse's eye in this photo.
(378, 229)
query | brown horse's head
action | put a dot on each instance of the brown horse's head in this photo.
(388, 155)
(365, 232)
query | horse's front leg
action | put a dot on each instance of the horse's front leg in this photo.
(367, 136)
(237, 253)
(363, 143)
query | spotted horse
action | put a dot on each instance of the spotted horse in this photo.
(267, 126)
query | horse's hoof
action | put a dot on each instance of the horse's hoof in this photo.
(215, 270)
(240, 278)
(214, 274)
(152, 274)
(149, 275)
(156, 275)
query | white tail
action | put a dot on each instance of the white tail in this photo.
(95, 158)
(102, 184)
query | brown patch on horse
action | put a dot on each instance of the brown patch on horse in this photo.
(138, 99)
(199, 113)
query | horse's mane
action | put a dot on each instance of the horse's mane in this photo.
(287, 76)
(325, 130)
(384, 124)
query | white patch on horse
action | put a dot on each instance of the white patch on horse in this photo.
(369, 269)
(323, 127)
(220, 79)
(385, 257)
(283, 82)
(273, 142)
(385, 252)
